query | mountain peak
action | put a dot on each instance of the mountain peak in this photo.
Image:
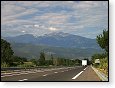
(61, 34)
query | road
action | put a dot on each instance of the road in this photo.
(61, 74)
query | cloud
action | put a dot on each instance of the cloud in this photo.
(23, 31)
(37, 26)
(53, 29)
(39, 17)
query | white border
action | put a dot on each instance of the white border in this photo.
(110, 84)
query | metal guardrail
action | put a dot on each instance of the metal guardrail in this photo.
(28, 68)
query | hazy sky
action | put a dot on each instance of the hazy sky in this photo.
(84, 18)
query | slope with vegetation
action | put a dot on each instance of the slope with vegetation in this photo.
(8, 59)
(102, 40)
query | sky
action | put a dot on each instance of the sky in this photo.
(84, 18)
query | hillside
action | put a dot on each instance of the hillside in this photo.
(59, 39)
(32, 51)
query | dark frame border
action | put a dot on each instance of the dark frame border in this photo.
(67, 81)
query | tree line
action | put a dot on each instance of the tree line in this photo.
(103, 42)
(8, 59)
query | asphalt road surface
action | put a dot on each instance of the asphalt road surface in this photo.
(61, 74)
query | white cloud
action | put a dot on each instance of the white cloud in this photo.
(53, 29)
(23, 31)
(37, 26)
(48, 16)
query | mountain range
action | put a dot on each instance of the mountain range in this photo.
(58, 39)
(58, 44)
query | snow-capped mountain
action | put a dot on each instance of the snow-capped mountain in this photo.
(58, 39)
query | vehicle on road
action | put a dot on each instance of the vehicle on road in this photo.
(84, 62)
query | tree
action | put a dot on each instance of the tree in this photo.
(52, 59)
(6, 52)
(102, 40)
(34, 61)
(42, 59)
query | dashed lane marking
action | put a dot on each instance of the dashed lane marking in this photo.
(55, 72)
(45, 75)
(23, 80)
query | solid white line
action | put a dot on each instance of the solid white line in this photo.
(77, 75)
(85, 68)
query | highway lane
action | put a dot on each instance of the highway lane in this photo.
(62, 74)
(65, 75)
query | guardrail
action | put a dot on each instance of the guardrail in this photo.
(29, 68)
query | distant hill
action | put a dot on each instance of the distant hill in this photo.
(58, 43)
(33, 51)
(58, 39)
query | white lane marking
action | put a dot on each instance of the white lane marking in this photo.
(77, 75)
(2, 76)
(45, 75)
(20, 80)
(16, 74)
(85, 68)
(6, 75)
(55, 72)
(32, 72)
(25, 79)
(24, 73)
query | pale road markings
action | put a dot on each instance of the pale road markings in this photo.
(55, 72)
(23, 80)
(20, 80)
(6, 75)
(28, 72)
(45, 75)
(85, 68)
(2, 76)
(17, 74)
(77, 75)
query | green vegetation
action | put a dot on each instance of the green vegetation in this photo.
(6, 53)
(33, 51)
(9, 60)
(42, 59)
(102, 40)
